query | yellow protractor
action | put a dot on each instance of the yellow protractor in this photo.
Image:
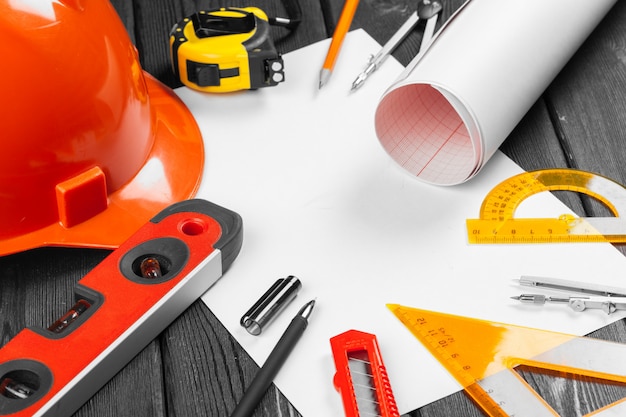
(498, 225)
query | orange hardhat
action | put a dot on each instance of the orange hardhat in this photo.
(92, 146)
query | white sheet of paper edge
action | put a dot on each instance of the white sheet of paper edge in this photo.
(321, 200)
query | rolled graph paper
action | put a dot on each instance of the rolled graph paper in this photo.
(456, 102)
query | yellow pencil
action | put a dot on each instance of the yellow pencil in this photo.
(343, 25)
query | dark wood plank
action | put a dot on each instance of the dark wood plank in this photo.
(206, 370)
(589, 104)
(32, 293)
(536, 132)
(589, 101)
(137, 390)
(126, 13)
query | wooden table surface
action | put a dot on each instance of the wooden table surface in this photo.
(195, 367)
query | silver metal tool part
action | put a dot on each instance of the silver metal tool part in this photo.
(275, 299)
(603, 297)
(426, 10)
(572, 286)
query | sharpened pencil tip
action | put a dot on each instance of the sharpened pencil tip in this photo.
(324, 76)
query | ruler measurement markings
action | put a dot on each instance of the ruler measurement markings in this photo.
(483, 356)
(496, 223)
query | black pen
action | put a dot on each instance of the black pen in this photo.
(274, 362)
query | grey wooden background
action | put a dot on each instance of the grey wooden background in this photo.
(195, 368)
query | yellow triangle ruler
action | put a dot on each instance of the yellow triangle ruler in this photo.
(482, 357)
(496, 222)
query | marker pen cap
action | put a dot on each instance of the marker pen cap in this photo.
(275, 299)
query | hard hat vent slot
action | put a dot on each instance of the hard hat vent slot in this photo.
(81, 197)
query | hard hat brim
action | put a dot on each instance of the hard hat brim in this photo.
(172, 172)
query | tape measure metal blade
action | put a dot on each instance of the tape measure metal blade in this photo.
(482, 355)
(497, 224)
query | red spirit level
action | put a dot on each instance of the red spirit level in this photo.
(119, 307)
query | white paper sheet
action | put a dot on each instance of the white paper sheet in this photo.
(321, 200)
(455, 104)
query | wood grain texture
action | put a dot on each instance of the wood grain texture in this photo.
(204, 363)
(137, 390)
(195, 367)
(589, 105)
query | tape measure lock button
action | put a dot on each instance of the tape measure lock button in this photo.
(225, 50)
(208, 75)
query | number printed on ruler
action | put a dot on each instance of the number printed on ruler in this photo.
(496, 222)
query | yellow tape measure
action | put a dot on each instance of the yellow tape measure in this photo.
(497, 224)
(484, 357)
(225, 50)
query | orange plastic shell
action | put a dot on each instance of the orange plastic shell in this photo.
(89, 139)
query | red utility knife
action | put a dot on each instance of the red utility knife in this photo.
(361, 377)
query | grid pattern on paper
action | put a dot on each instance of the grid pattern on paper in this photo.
(423, 133)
